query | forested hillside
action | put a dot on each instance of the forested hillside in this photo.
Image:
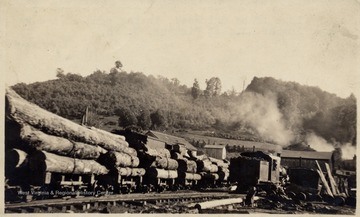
(270, 110)
(310, 109)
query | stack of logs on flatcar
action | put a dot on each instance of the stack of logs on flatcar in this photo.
(44, 149)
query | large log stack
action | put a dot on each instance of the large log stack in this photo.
(223, 168)
(39, 142)
(160, 164)
(24, 112)
(50, 143)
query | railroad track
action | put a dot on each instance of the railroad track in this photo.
(81, 204)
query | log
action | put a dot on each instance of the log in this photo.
(172, 174)
(16, 167)
(223, 176)
(206, 166)
(161, 173)
(23, 111)
(130, 151)
(47, 162)
(118, 159)
(189, 176)
(146, 160)
(220, 163)
(135, 140)
(138, 171)
(165, 163)
(106, 133)
(215, 203)
(323, 180)
(137, 146)
(157, 173)
(225, 170)
(333, 185)
(191, 153)
(124, 171)
(127, 171)
(176, 156)
(209, 176)
(187, 165)
(58, 145)
(158, 152)
(181, 149)
(202, 157)
(15, 158)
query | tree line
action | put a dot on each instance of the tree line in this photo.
(160, 103)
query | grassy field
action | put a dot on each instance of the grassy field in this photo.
(247, 145)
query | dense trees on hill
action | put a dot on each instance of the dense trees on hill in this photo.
(137, 99)
(309, 108)
(162, 103)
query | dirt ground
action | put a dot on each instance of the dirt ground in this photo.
(262, 207)
(306, 208)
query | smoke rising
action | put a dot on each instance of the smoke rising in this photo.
(261, 113)
(348, 151)
(318, 143)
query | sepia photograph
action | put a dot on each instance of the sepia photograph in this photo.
(186, 107)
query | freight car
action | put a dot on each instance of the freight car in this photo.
(254, 169)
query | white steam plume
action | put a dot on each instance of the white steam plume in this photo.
(348, 151)
(261, 113)
(318, 143)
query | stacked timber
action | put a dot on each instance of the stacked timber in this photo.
(146, 160)
(206, 166)
(157, 159)
(24, 112)
(223, 173)
(223, 168)
(186, 165)
(127, 171)
(209, 176)
(211, 169)
(219, 163)
(48, 162)
(58, 145)
(135, 140)
(16, 167)
(181, 149)
(138, 171)
(176, 155)
(161, 173)
(158, 152)
(165, 163)
(198, 157)
(189, 176)
(123, 171)
(49, 143)
(187, 168)
(16, 158)
(113, 159)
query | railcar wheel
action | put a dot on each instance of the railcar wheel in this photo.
(301, 196)
(339, 201)
(160, 189)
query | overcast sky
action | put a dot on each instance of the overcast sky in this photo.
(311, 42)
